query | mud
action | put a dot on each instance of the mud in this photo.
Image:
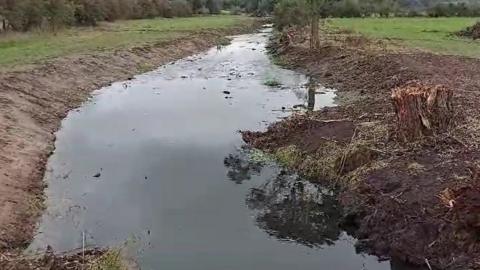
(35, 99)
(415, 202)
(472, 32)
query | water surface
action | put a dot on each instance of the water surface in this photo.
(157, 162)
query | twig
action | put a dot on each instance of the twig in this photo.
(428, 264)
(83, 249)
(344, 156)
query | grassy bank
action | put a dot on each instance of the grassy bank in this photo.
(430, 34)
(18, 49)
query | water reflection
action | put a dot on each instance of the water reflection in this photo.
(292, 209)
(312, 88)
(285, 205)
(296, 210)
(241, 168)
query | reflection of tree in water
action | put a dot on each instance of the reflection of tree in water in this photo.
(296, 210)
(308, 96)
(240, 167)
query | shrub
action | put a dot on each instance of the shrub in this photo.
(289, 13)
(180, 8)
(235, 10)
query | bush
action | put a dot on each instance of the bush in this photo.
(214, 6)
(88, 12)
(180, 8)
(290, 13)
(235, 10)
(59, 13)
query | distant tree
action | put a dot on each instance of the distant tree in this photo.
(59, 13)
(214, 6)
(290, 13)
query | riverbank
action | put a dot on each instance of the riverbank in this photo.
(417, 201)
(35, 98)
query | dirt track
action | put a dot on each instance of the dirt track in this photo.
(34, 101)
(398, 197)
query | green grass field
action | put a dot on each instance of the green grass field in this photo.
(431, 34)
(28, 48)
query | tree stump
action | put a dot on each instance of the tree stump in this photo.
(422, 110)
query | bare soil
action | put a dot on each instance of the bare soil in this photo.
(416, 201)
(33, 102)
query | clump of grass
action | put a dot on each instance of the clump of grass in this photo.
(111, 260)
(415, 168)
(35, 205)
(258, 156)
(222, 42)
(279, 61)
(272, 82)
(288, 156)
(322, 165)
(144, 67)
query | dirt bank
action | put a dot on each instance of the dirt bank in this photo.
(34, 101)
(415, 201)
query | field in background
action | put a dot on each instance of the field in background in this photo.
(431, 34)
(33, 47)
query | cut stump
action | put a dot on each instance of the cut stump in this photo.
(422, 110)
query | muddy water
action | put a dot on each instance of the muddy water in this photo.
(157, 164)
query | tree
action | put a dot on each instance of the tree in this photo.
(59, 13)
(214, 6)
(317, 10)
(289, 13)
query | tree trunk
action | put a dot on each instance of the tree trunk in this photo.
(422, 110)
(314, 35)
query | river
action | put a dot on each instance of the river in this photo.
(157, 164)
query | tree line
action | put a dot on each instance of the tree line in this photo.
(23, 15)
(296, 10)
(299, 12)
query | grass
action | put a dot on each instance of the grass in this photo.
(430, 34)
(272, 82)
(111, 260)
(34, 47)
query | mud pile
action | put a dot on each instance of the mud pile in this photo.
(472, 32)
